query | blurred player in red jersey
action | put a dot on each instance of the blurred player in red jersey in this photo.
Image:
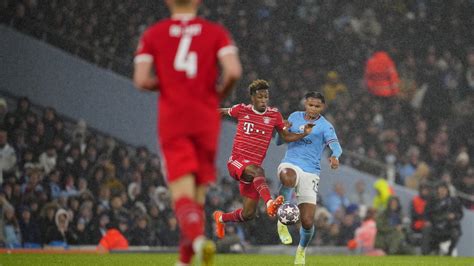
(185, 51)
(255, 126)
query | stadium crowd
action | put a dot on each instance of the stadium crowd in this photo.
(422, 133)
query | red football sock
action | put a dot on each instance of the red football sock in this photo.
(185, 251)
(190, 217)
(260, 184)
(235, 216)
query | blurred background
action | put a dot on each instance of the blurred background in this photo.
(78, 142)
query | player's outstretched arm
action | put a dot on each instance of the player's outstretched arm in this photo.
(336, 153)
(143, 78)
(288, 136)
(224, 111)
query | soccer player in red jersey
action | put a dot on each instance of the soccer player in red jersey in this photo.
(185, 51)
(256, 123)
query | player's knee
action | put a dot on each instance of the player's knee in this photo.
(288, 181)
(248, 215)
(307, 222)
(255, 170)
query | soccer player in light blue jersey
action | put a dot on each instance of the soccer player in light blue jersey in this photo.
(301, 166)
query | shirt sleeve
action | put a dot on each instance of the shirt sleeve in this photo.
(279, 125)
(225, 44)
(330, 135)
(235, 110)
(144, 52)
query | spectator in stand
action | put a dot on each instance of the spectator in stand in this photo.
(11, 228)
(30, 231)
(333, 88)
(140, 233)
(112, 239)
(8, 156)
(337, 200)
(381, 76)
(48, 159)
(443, 215)
(360, 197)
(364, 240)
(417, 207)
(169, 235)
(383, 193)
(60, 233)
(390, 237)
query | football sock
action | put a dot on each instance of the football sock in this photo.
(260, 184)
(185, 251)
(234, 216)
(286, 192)
(190, 217)
(305, 236)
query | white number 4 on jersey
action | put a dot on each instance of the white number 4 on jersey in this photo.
(184, 59)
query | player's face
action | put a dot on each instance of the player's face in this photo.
(313, 107)
(260, 100)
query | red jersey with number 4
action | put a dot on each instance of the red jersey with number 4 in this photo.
(254, 131)
(185, 51)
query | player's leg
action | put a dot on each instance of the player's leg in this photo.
(288, 179)
(181, 164)
(206, 147)
(307, 189)
(256, 175)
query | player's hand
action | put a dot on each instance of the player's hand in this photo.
(307, 128)
(287, 123)
(334, 162)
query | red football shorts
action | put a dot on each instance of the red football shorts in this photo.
(236, 167)
(190, 152)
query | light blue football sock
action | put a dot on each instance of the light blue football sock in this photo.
(305, 236)
(286, 192)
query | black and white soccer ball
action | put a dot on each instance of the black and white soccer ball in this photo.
(288, 214)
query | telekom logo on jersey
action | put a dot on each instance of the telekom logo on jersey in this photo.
(249, 127)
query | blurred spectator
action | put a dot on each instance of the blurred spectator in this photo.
(140, 235)
(337, 199)
(7, 156)
(169, 235)
(417, 208)
(47, 159)
(390, 237)
(381, 76)
(443, 214)
(30, 231)
(112, 239)
(360, 197)
(364, 239)
(60, 232)
(11, 228)
(333, 87)
(383, 192)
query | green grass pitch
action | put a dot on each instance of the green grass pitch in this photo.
(241, 259)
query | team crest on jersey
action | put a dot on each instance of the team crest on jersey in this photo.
(266, 120)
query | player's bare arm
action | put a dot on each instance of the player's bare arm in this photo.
(143, 77)
(223, 111)
(288, 136)
(231, 71)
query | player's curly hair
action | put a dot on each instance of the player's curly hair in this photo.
(258, 84)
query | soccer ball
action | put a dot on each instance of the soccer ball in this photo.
(288, 213)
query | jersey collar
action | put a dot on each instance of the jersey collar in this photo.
(183, 16)
(259, 113)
